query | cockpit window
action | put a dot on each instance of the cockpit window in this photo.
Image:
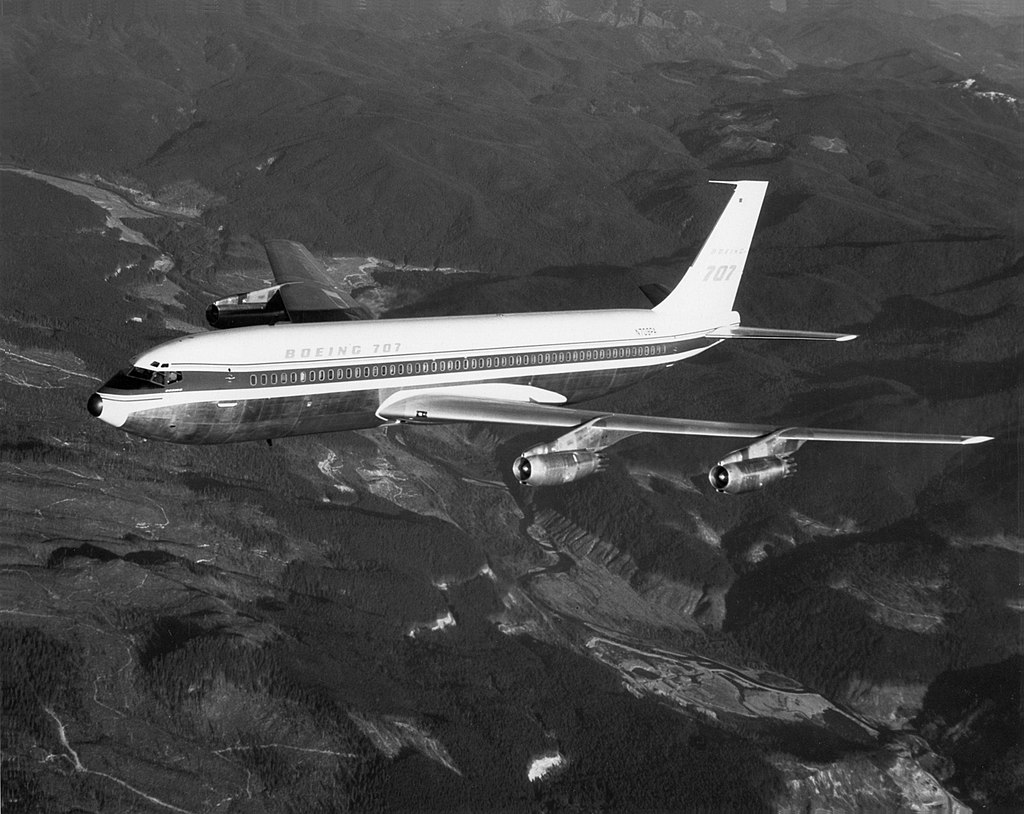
(140, 378)
(159, 378)
(144, 375)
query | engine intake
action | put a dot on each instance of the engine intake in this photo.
(556, 468)
(748, 476)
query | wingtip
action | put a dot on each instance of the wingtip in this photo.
(977, 439)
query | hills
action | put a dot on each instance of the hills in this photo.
(257, 629)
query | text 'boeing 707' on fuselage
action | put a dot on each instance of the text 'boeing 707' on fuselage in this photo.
(302, 357)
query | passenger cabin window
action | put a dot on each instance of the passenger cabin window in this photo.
(145, 377)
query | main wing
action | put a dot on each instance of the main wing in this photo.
(576, 453)
(437, 407)
(307, 293)
(304, 293)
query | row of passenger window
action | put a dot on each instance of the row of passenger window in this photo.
(330, 374)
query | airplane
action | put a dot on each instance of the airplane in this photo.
(302, 357)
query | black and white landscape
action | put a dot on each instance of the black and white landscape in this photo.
(385, 620)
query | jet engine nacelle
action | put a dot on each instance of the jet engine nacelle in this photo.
(555, 468)
(263, 307)
(747, 476)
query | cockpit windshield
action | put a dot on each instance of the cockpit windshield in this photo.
(158, 378)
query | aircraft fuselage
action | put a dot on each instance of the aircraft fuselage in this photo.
(280, 380)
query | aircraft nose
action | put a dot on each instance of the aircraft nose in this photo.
(95, 405)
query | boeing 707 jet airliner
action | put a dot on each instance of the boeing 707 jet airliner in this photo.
(302, 357)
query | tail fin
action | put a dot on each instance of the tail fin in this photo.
(708, 289)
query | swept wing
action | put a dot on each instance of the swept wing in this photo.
(303, 293)
(435, 407)
(307, 293)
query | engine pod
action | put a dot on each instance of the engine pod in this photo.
(556, 468)
(748, 476)
(263, 307)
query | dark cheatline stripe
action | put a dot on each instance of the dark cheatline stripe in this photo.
(378, 371)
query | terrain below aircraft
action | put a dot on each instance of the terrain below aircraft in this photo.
(303, 357)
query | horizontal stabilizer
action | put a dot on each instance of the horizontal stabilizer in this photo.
(743, 332)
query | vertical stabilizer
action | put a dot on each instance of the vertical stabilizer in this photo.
(708, 289)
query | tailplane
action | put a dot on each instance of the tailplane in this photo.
(708, 289)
